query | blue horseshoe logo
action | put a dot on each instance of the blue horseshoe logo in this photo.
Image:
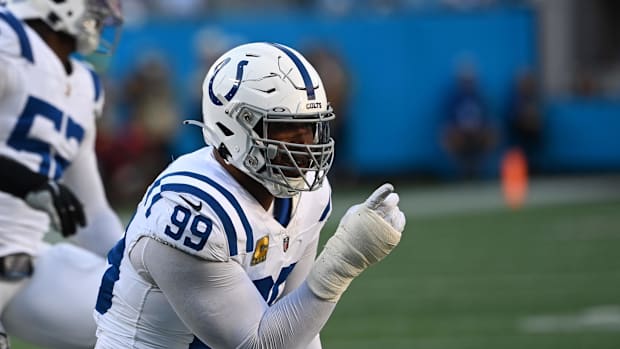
(234, 88)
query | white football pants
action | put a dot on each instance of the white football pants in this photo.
(55, 307)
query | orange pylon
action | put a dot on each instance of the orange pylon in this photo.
(514, 177)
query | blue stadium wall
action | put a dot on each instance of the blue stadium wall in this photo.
(402, 66)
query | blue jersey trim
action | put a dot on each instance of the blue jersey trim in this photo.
(302, 69)
(282, 210)
(326, 210)
(96, 83)
(110, 277)
(156, 198)
(229, 228)
(112, 274)
(227, 194)
(24, 43)
(284, 273)
(268, 288)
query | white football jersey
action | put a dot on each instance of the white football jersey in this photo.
(47, 117)
(196, 206)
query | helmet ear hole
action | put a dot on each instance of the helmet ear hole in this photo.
(223, 151)
(53, 18)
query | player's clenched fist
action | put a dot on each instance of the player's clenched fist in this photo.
(366, 234)
(374, 227)
(385, 203)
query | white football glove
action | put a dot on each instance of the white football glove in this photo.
(366, 234)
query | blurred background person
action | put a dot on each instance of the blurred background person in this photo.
(140, 144)
(526, 117)
(468, 133)
(208, 44)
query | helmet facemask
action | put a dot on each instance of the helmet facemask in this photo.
(99, 14)
(84, 20)
(285, 167)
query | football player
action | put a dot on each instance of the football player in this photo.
(48, 105)
(221, 250)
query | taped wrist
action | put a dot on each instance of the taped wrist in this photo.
(362, 239)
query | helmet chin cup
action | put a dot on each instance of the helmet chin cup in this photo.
(87, 43)
(294, 187)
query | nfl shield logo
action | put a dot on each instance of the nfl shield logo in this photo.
(285, 243)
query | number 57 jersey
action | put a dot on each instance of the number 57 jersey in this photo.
(197, 207)
(47, 119)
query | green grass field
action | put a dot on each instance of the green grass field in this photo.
(500, 279)
(545, 276)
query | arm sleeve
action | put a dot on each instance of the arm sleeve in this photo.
(220, 304)
(103, 227)
(298, 275)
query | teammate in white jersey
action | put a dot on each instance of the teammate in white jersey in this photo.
(221, 250)
(49, 102)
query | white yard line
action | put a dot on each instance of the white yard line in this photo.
(484, 196)
(598, 318)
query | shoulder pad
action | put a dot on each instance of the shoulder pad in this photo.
(14, 40)
(178, 225)
(204, 196)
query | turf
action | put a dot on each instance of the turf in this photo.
(537, 278)
(481, 280)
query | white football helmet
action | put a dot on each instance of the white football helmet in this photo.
(255, 89)
(82, 19)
